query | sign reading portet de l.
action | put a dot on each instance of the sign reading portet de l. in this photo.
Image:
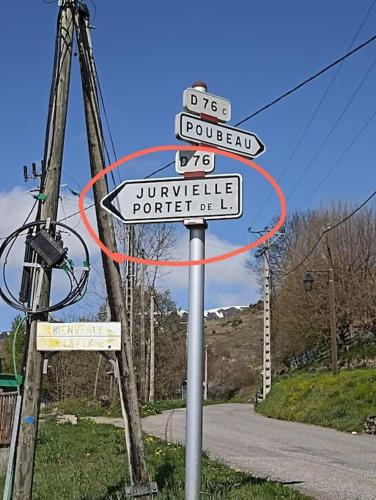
(176, 199)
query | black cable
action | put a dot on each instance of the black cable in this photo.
(74, 294)
(159, 170)
(95, 10)
(106, 117)
(53, 93)
(89, 67)
(314, 114)
(340, 158)
(75, 213)
(308, 80)
(291, 91)
(332, 129)
(278, 99)
(327, 230)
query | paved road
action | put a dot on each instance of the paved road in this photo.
(320, 462)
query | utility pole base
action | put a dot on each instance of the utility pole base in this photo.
(141, 490)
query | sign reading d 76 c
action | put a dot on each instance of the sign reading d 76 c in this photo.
(208, 104)
(194, 161)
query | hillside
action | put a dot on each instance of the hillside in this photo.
(234, 351)
(342, 402)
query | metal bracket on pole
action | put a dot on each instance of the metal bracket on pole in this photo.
(141, 490)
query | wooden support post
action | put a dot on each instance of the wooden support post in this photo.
(152, 348)
(106, 233)
(142, 337)
(24, 465)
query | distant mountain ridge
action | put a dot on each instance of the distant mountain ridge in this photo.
(220, 312)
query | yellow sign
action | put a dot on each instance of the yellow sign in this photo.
(78, 336)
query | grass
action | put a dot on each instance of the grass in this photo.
(89, 407)
(361, 353)
(342, 402)
(87, 462)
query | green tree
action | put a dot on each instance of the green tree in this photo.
(18, 327)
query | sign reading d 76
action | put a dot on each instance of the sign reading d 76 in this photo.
(194, 161)
(203, 103)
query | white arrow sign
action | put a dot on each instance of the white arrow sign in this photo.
(176, 199)
(192, 129)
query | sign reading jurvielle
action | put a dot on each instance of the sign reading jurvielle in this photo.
(176, 199)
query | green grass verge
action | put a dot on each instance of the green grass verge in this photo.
(87, 462)
(342, 402)
(360, 353)
(89, 407)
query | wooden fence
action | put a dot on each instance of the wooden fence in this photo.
(7, 407)
(347, 342)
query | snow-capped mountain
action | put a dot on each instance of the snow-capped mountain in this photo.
(217, 312)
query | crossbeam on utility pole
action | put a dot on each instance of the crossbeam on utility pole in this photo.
(24, 465)
(107, 235)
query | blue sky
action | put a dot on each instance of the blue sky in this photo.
(147, 53)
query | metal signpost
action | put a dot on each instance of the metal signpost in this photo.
(192, 199)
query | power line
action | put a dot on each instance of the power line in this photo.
(308, 80)
(278, 99)
(327, 230)
(314, 114)
(106, 117)
(160, 169)
(344, 153)
(334, 126)
(291, 91)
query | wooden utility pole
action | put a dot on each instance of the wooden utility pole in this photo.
(143, 395)
(107, 235)
(152, 348)
(25, 454)
(332, 307)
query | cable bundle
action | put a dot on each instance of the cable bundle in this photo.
(77, 286)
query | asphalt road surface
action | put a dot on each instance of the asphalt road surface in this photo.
(320, 462)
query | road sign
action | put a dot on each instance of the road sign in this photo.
(193, 129)
(78, 336)
(194, 161)
(176, 199)
(199, 102)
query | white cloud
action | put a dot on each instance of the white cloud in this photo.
(228, 282)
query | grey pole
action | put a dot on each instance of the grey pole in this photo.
(267, 364)
(193, 440)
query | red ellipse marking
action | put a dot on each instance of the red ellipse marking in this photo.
(120, 257)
